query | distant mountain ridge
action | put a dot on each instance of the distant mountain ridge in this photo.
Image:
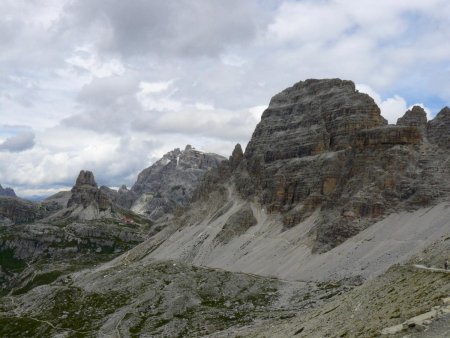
(7, 191)
(167, 184)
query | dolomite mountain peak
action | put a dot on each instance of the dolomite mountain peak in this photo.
(323, 148)
(169, 183)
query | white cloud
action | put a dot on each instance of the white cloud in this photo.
(232, 60)
(204, 106)
(150, 100)
(20, 140)
(257, 111)
(308, 21)
(154, 87)
(393, 108)
(88, 59)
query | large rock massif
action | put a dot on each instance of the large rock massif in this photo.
(87, 200)
(169, 183)
(323, 146)
(322, 168)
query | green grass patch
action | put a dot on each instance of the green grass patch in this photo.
(82, 311)
(10, 263)
(23, 327)
(41, 279)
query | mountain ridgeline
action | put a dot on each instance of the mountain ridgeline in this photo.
(166, 185)
(270, 242)
(7, 191)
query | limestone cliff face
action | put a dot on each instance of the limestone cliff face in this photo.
(311, 118)
(323, 146)
(437, 129)
(169, 183)
(87, 200)
(416, 117)
(15, 210)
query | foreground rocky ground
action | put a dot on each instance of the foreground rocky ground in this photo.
(133, 296)
(168, 299)
(400, 294)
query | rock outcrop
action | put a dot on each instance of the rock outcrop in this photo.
(87, 200)
(438, 129)
(311, 118)
(236, 225)
(123, 197)
(323, 146)
(15, 210)
(236, 157)
(169, 183)
(7, 192)
(416, 117)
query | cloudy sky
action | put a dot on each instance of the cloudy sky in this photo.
(111, 85)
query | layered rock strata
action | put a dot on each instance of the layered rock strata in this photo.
(85, 192)
(323, 146)
(168, 184)
(438, 129)
(415, 117)
(87, 200)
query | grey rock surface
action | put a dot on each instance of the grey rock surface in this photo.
(322, 145)
(86, 193)
(310, 118)
(79, 225)
(7, 191)
(438, 129)
(169, 183)
(15, 210)
(157, 299)
(416, 117)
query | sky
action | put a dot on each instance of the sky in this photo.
(110, 86)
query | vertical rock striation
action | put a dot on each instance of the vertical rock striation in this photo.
(438, 129)
(87, 200)
(169, 183)
(416, 117)
(323, 146)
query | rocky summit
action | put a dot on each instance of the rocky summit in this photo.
(87, 201)
(7, 191)
(169, 183)
(323, 146)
